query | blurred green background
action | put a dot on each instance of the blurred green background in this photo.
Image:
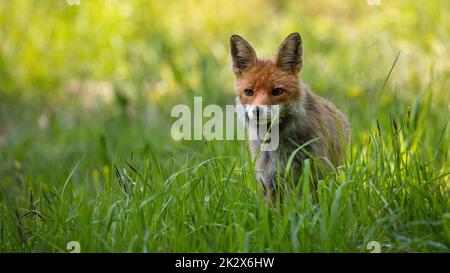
(97, 81)
(81, 65)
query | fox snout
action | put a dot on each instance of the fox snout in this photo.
(262, 114)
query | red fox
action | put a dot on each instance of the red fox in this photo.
(304, 117)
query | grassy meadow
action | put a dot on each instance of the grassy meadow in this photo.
(86, 152)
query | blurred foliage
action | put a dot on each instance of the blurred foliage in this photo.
(155, 49)
(139, 57)
(94, 83)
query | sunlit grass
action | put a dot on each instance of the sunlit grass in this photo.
(85, 147)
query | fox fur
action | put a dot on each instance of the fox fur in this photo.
(304, 116)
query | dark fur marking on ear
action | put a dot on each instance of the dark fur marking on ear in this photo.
(242, 53)
(289, 57)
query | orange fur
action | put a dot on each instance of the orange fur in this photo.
(305, 115)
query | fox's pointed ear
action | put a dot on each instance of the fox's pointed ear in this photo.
(242, 54)
(289, 57)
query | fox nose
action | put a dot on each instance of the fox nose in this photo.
(258, 112)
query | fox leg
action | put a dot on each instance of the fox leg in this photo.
(269, 191)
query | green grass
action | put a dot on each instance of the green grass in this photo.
(106, 173)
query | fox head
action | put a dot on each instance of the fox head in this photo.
(267, 82)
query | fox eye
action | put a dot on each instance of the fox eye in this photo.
(277, 91)
(248, 92)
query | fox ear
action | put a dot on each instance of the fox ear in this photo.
(242, 54)
(289, 57)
